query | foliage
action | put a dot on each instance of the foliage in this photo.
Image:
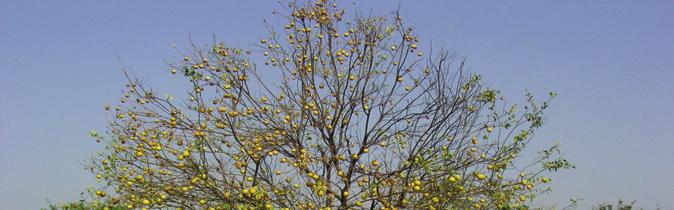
(83, 205)
(345, 114)
(620, 206)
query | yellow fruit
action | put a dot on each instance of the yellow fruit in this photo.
(480, 176)
(100, 193)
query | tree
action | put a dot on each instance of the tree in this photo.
(345, 114)
(622, 205)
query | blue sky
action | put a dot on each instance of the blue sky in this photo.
(611, 61)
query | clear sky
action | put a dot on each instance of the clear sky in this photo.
(611, 61)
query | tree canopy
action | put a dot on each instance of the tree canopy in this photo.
(341, 112)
